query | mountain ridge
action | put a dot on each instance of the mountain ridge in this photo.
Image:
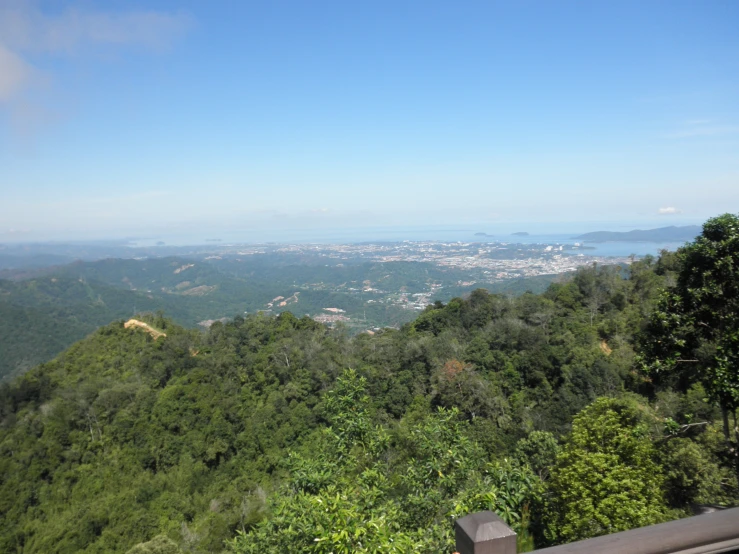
(662, 234)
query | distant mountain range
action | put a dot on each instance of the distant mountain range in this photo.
(663, 234)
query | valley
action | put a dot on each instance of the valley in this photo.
(359, 287)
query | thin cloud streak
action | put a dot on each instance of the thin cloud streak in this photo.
(26, 32)
(109, 199)
(703, 128)
(15, 74)
(27, 29)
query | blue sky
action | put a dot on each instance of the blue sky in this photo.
(123, 118)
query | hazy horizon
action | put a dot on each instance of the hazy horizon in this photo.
(462, 231)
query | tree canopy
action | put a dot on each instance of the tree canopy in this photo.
(694, 333)
(280, 434)
(606, 478)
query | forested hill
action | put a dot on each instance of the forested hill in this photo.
(41, 317)
(274, 434)
(44, 311)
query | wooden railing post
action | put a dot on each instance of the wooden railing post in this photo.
(484, 533)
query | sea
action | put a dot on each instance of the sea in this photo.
(399, 234)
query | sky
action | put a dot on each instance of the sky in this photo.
(153, 118)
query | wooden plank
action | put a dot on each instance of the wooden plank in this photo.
(704, 534)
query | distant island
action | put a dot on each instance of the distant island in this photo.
(520, 234)
(663, 234)
(213, 240)
(482, 235)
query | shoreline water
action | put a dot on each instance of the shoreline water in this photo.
(615, 248)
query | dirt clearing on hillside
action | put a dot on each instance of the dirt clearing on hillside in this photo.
(145, 326)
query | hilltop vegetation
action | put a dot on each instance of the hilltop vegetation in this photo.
(274, 434)
(41, 317)
(45, 312)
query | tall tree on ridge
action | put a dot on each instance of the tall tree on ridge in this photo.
(694, 332)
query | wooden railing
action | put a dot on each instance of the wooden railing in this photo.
(486, 533)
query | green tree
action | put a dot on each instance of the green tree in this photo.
(363, 492)
(158, 545)
(693, 476)
(605, 479)
(539, 450)
(695, 330)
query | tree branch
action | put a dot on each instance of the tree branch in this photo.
(681, 430)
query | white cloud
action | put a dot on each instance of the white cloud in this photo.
(25, 28)
(15, 74)
(670, 210)
(14, 232)
(26, 32)
(705, 131)
(703, 128)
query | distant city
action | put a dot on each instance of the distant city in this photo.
(497, 260)
(363, 285)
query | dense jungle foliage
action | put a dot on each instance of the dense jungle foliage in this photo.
(564, 412)
(40, 318)
(44, 311)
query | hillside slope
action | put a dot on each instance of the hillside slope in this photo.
(43, 314)
(124, 438)
(41, 317)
